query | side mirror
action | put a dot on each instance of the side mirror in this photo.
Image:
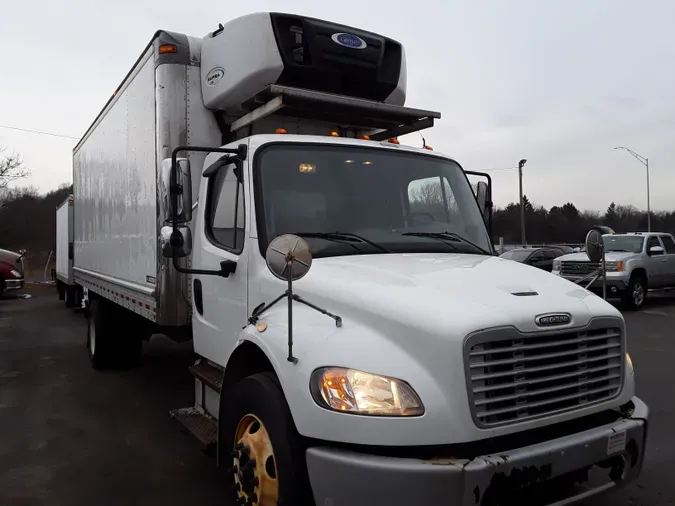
(482, 198)
(183, 187)
(181, 243)
(656, 250)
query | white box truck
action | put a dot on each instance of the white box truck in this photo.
(410, 365)
(66, 288)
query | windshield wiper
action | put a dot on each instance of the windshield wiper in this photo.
(444, 236)
(343, 237)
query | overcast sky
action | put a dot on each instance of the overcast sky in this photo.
(557, 82)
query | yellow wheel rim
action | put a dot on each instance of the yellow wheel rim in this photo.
(254, 464)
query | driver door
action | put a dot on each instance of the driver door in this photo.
(220, 303)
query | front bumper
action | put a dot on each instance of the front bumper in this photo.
(13, 284)
(615, 284)
(340, 477)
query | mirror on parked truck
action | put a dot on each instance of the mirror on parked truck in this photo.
(482, 190)
(182, 184)
(656, 250)
(289, 258)
(181, 249)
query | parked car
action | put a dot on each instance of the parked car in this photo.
(564, 249)
(542, 258)
(11, 270)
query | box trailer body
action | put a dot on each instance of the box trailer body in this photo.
(64, 242)
(116, 168)
(411, 365)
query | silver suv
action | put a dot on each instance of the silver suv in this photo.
(635, 262)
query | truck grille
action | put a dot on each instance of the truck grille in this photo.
(524, 377)
(578, 268)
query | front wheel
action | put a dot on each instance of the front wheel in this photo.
(260, 448)
(636, 293)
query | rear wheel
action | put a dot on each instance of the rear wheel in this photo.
(61, 290)
(262, 452)
(70, 296)
(636, 293)
(109, 343)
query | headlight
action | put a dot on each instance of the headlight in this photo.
(556, 265)
(361, 393)
(629, 365)
(16, 274)
(614, 266)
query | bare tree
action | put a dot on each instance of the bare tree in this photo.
(11, 168)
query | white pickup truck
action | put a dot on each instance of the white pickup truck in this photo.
(411, 365)
(635, 263)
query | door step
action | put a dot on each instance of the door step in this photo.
(200, 425)
(209, 374)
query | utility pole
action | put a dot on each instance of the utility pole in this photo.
(644, 161)
(521, 164)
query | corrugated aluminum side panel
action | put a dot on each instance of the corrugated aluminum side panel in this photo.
(114, 173)
(64, 236)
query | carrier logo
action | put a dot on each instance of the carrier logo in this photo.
(549, 320)
(349, 40)
(214, 76)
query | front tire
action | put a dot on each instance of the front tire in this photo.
(260, 448)
(635, 295)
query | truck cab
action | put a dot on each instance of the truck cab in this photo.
(358, 341)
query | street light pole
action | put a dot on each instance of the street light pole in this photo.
(521, 164)
(644, 161)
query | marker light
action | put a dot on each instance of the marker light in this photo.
(349, 161)
(167, 48)
(367, 163)
(364, 137)
(361, 393)
(334, 134)
(429, 148)
(307, 168)
(394, 140)
(280, 131)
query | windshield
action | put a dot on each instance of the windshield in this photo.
(628, 243)
(517, 255)
(376, 195)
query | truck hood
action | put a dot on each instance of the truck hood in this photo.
(610, 256)
(447, 291)
(407, 316)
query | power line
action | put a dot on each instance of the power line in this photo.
(39, 132)
(491, 170)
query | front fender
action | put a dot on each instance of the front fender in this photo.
(318, 342)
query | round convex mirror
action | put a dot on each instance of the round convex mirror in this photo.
(288, 253)
(594, 244)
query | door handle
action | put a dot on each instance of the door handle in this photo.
(199, 299)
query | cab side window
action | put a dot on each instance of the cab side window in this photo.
(225, 218)
(669, 244)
